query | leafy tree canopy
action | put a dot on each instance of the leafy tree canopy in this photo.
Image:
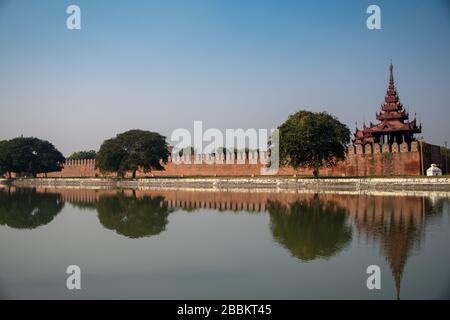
(313, 140)
(83, 155)
(133, 150)
(187, 151)
(4, 162)
(30, 156)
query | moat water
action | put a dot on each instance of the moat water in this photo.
(222, 245)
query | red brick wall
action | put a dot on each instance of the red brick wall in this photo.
(370, 160)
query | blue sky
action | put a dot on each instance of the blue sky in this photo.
(160, 65)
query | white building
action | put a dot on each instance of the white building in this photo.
(434, 171)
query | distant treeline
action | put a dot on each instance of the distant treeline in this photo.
(83, 155)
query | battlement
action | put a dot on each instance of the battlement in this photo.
(252, 157)
(240, 157)
(377, 148)
(84, 163)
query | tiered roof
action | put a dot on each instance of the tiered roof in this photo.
(393, 119)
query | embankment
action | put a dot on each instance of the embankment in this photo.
(249, 184)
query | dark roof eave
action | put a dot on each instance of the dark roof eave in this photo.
(394, 131)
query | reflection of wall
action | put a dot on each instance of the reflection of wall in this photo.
(186, 199)
(396, 223)
(369, 212)
(356, 205)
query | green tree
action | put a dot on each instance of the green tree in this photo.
(4, 159)
(313, 140)
(187, 150)
(31, 156)
(83, 155)
(310, 229)
(133, 150)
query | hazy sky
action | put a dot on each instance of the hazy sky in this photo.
(160, 65)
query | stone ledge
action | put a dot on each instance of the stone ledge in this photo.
(382, 184)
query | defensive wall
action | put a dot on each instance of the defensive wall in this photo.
(369, 160)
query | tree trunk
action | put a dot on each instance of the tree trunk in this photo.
(316, 172)
(316, 169)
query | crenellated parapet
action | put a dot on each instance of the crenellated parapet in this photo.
(377, 148)
(395, 147)
(252, 157)
(84, 163)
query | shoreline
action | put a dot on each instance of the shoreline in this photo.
(259, 184)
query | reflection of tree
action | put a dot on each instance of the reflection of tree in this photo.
(26, 209)
(133, 217)
(310, 229)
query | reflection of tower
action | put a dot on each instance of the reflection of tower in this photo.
(395, 222)
(397, 246)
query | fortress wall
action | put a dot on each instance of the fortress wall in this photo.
(368, 160)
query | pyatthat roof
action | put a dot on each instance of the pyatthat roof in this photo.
(392, 117)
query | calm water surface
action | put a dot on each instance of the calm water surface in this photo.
(231, 245)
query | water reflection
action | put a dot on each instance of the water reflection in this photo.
(397, 224)
(131, 216)
(309, 226)
(310, 229)
(27, 209)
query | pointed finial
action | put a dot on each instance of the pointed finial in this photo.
(391, 69)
